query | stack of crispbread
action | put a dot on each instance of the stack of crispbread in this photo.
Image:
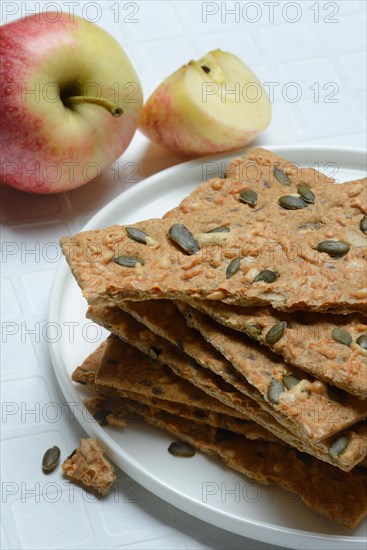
(239, 326)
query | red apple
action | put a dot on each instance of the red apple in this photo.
(70, 102)
(208, 106)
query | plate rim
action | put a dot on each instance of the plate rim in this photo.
(292, 538)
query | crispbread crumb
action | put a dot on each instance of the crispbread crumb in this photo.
(88, 466)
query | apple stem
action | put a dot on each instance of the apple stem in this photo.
(115, 111)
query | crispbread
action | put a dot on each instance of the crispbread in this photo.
(264, 237)
(337, 495)
(308, 403)
(120, 366)
(88, 466)
(317, 416)
(307, 341)
(115, 367)
(110, 361)
(124, 326)
(86, 373)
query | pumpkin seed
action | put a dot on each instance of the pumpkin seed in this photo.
(338, 446)
(220, 229)
(181, 449)
(50, 459)
(335, 249)
(182, 236)
(342, 336)
(281, 176)
(249, 196)
(275, 333)
(362, 341)
(363, 224)
(101, 417)
(136, 235)
(290, 381)
(254, 330)
(274, 390)
(306, 193)
(292, 203)
(127, 261)
(267, 276)
(233, 267)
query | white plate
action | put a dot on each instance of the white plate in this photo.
(200, 486)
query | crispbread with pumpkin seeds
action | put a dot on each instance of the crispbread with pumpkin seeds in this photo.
(113, 370)
(116, 380)
(305, 333)
(305, 401)
(308, 341)
(339, 496)
(316, 414)
(309, 258)
(87, 465)
(211, 382)
(120, 366)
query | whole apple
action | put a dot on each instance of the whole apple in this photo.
(207, 106)
(70, 102)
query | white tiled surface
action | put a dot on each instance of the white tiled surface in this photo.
(46, 512)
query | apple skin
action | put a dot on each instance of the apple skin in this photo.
(171, 118)
(48, 147)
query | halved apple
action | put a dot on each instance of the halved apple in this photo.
(208, 106)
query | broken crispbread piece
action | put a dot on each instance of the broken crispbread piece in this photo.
(337, 495)
(307, 343)
(116, 375)
(119, 366)
(241, 396)
(306, 402)
(316, 254)
(163, 318)
(88, 466)
(117, 370)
